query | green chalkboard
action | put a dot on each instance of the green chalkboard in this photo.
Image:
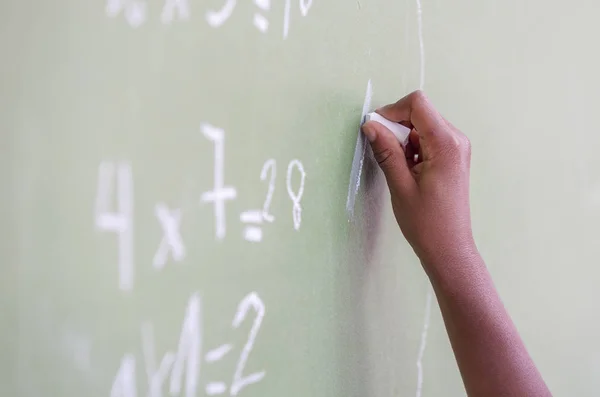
(176, 179)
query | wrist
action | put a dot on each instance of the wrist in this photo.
(452, 264)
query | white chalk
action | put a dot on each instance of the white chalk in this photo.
(400, 131)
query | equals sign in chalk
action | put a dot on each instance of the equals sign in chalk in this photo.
(400, 132)
(252, 233)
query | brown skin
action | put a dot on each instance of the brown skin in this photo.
(430, 198)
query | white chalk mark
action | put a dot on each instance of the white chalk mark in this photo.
(423, 342)
(170, 221)
(135, 11)
(218, 18)
(253, 234)
(252, 216)
(261, 23)
(252, 300)
(406, 42)
(263, 4)
(296, 197)
(214, 388)
(305, 6)
(220, 193)
(121, 221)
(268, 165)
(359, 156)
(421, 46)
(286, 18)
(156, 376)
(188, 351)
(181, 7)
(429, 292)
(113, 7)
(217, 353)
(124, 384)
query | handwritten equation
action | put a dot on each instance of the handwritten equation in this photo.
(115, 184)
(181, 366)
(136, 12)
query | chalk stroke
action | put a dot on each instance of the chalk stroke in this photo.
(421, 46)
(188, 351)
(286, 18)
(218, 18)
(215, 388)
(261, 23)
(252, 216)
(429, 292)
(423, 343)
(156, 375)
(359, 156)
(253, 234)
(252, 300)
(121, 220)
(124, 382)
(172, 241)
(296, 197)
(305, 6)
(171, 7)
(135, 11)
(217, 353)
(269, 165)
(220, 192)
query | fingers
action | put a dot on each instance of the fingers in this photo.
(390, 156)
(416, 109)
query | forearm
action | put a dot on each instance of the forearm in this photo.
(491, 356)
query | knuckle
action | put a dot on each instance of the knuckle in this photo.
(418, 99)
(454, 143)
(466, 144)
(457, 146)
(419, 96)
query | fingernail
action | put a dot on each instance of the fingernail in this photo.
(369, 132)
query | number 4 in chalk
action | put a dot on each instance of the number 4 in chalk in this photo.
(119, 221)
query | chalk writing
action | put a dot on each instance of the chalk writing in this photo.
(135, 11)
(220, 192)
(252, 232)
(296, 196)
(184, 363)
(120, 221)
(218, 18)
(181, 8)
(124, 384)
(156, 375)
(171, 241)
(268, 166)
(252, 300)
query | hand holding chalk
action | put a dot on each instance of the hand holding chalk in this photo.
(430, 197)
(399, 131)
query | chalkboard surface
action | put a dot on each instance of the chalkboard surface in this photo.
(176, 180)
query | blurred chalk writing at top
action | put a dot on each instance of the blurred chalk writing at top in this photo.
(136, 12)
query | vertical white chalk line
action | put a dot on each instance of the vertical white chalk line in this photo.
(428, 299)
(359, 156)
(421, 46)
(286, 18)
(423, 342)
(365, 110)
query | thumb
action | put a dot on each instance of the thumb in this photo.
(389, 155)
